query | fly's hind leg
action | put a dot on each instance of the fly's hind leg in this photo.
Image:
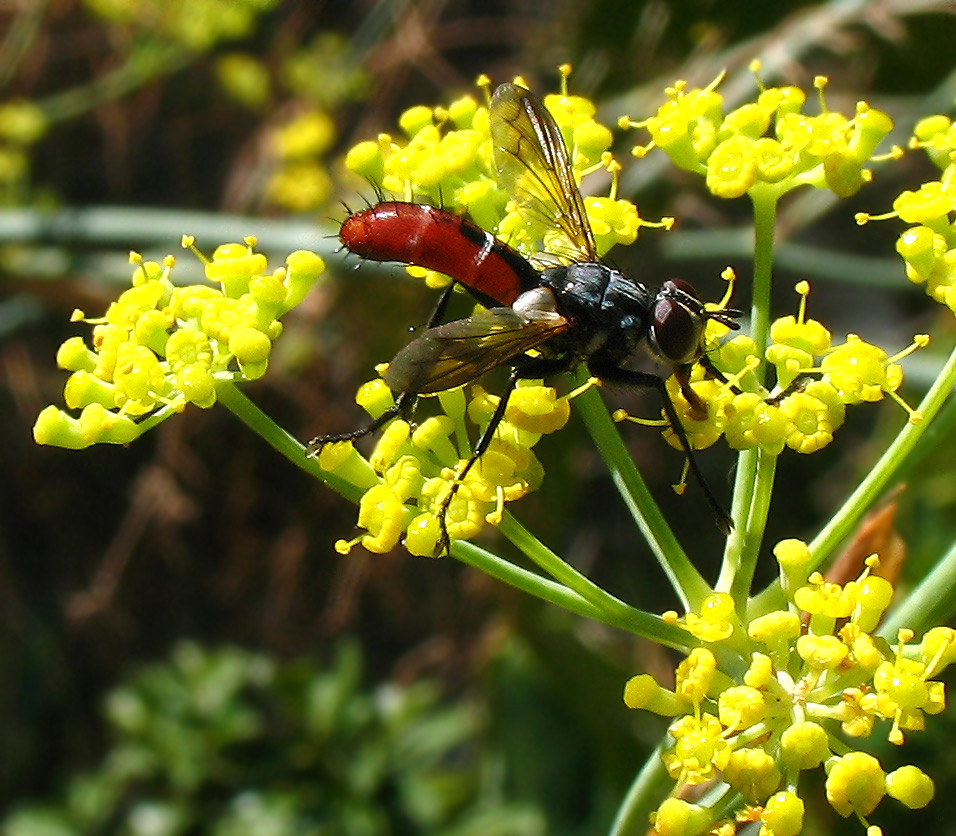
(484, 441)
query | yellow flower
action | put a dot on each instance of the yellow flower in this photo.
(698, 751)
(855, 784)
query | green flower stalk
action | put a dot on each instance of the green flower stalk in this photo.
(774, 683)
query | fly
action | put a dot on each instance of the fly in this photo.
(580, 311)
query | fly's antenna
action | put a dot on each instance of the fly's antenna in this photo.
(726, 316)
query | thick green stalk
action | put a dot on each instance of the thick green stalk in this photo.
(229, 395)
(650, 787)
(609, 609)
(753, 484)
(683, 575)
(932, 602)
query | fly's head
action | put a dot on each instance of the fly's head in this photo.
(678, 319)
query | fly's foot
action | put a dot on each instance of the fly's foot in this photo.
(314, 447)
(443, 547)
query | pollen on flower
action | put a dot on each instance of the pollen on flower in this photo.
(716, 618)
(855, 784)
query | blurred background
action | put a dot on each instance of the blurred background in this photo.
(181, 649)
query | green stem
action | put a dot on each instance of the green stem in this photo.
(575, 592)
(765, 219)
(932, 602)
(650, 787)
(610, 610)
(755, 468)
(870, 489)
(754, 527)
(623, 617)
(255, 419)
(683, 575)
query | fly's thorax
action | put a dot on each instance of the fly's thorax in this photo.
(611, 312)
(579, 288)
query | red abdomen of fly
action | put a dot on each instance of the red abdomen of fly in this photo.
(414, 233)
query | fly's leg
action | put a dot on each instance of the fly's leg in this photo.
(630, 377)
(403, 407)
(528, 368)
(484, 441)
(715, 373)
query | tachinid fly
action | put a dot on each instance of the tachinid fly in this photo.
(579, 311)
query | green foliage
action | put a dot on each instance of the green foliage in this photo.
(232, 743)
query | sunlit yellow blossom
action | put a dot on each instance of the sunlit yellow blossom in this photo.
(752, 772)
(775, 628)
(910, 785)
(938, 649)
(855, 784)
(715, 621)
(740, 707)
(804, 745)
(828, 599)
(383, 515)
(643, 691)
(698, 750)
(695, 675)
(160, 347)
(857, 712)
(782, 815)
(676, 817)
(821, 651)
(809, 428)
(859, 371)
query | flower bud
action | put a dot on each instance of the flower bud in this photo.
(911, 786)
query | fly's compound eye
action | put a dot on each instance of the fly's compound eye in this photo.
(677, 323)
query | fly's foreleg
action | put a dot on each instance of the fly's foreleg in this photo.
(630, 377)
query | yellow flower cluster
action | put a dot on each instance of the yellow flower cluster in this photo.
(412, 470)
(815, 381)
(809, 669)
(768, 144)
(928, 247)
(160, 347)
(301, 182)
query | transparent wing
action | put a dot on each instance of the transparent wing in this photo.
(460, 351)
(534, 167)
